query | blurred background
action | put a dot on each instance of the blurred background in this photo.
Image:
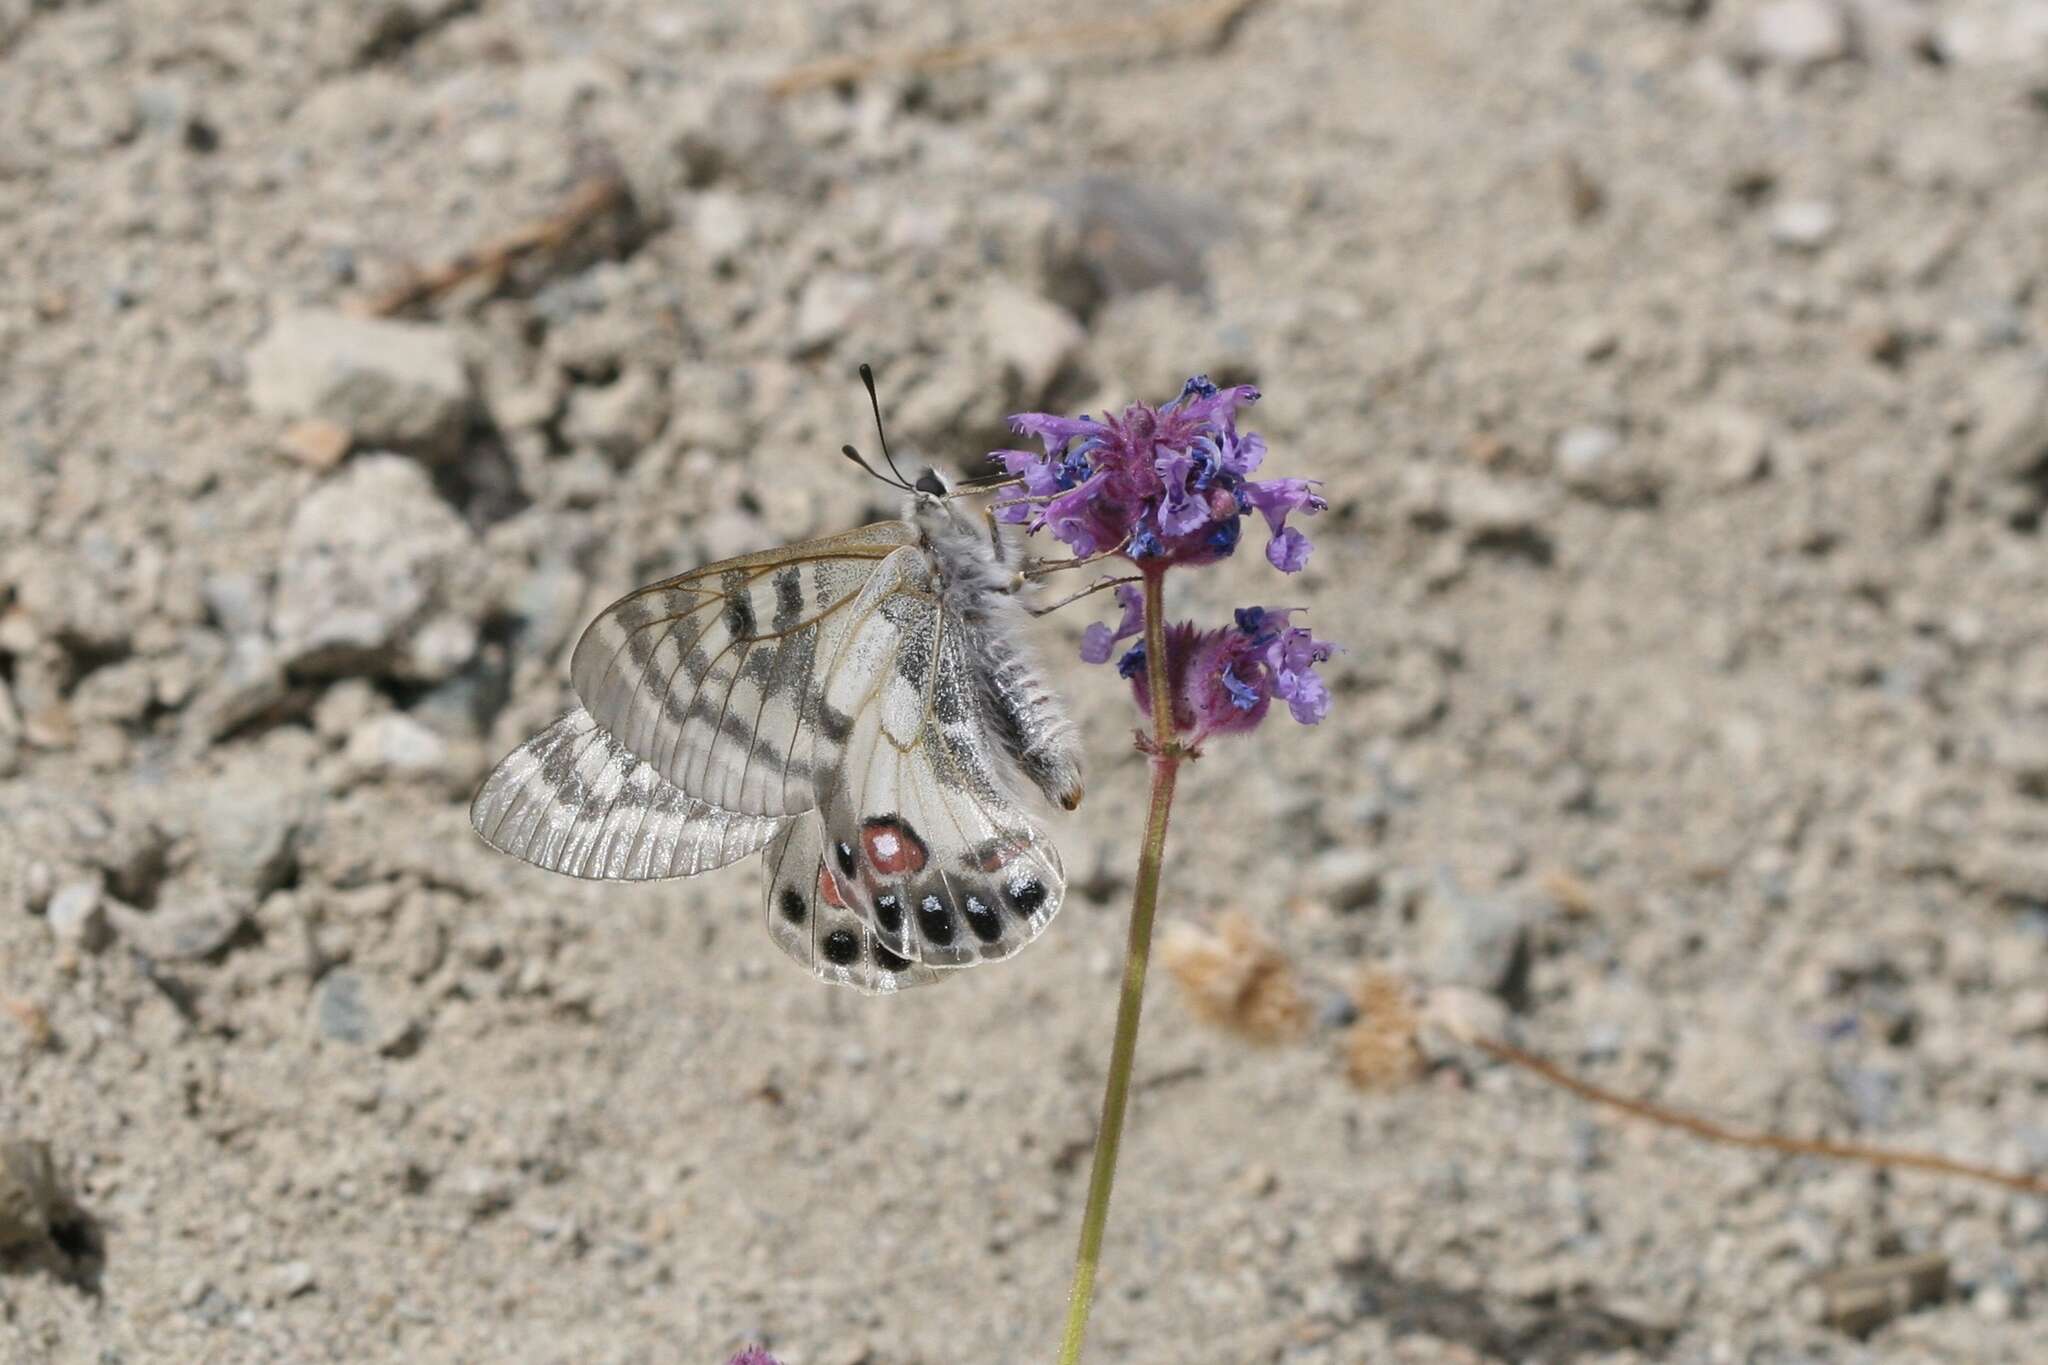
(1678, 376)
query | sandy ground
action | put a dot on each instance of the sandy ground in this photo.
(1679, 378)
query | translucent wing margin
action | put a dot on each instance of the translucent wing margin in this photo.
(923, 837)
(812, 918)
(711, 677)
(574, 799)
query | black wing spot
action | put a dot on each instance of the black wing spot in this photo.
(889, 912)
(832, 724)
(1026, 895)
(739, 617)
(982, 919)
(935, 919)
(789, 597)
(794, 907)
(841, 947)
(890, 962)
(843, 851)
(739, 605)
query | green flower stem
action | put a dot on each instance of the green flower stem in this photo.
(1166, 760)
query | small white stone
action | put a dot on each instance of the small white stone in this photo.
(1804, 224)
(830, 302)
(1801, 33)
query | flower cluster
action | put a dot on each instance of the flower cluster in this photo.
(1223, 681)
(1164, 485)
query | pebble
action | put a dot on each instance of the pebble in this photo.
(396, 745)
(1804, 224)
(1346, 878)
(379, 575)
(77, 916)
(196, 927)
(2009, 406)
(1593, 462)
(388, 383)
(1030, 336)
(1800, 33)
(722, 225)
(315, 442)
(290, 1280)
(244, 833)
(621, 418)
(348, 1009)
(249, 685)
(1476, 941)
(30, 1198)
(830, 303)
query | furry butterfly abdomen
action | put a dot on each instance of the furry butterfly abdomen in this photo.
(863, 706)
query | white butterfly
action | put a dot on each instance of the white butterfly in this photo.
(861, 706)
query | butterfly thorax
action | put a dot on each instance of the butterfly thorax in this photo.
(979, 591)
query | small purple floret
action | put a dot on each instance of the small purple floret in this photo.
(1224, 681)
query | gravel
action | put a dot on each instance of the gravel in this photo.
(1677, 376)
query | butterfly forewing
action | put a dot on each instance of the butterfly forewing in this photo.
(573, 799)
(710, 677)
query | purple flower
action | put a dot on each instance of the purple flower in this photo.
(753, 1355)
(1164, 485)
(1098, 642)
(1224, 681)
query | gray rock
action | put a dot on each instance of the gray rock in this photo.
(251, 683)
(400, 384)
(830, 302)
(1032, 337)
(77, 915)
(1800, 33)
(379, 576)
(245, 832)
(622, 418)
(196, 924)
(237, 602)
(30, 1198)
(349, 1009)
(1476, 941)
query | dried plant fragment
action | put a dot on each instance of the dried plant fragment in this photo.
(1380, 1048)
(1236, 979)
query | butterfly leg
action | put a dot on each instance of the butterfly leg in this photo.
(1098, 586)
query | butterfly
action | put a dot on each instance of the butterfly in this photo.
(861, 709)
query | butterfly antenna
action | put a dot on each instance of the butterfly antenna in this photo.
(850, 453)
(867, 377)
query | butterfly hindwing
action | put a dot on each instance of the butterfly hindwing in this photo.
(574, 799)
(922, 832)
(711, 676)
(812, 918)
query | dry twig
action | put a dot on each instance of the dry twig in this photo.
(596, 196)
(1204, 21)
(1713, 1131)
